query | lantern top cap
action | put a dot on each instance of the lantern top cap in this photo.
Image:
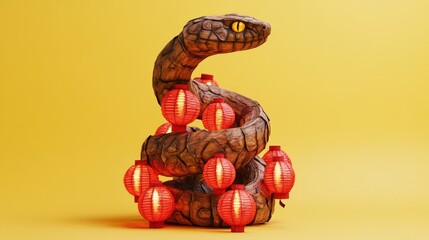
(275, 148)
(156, 184)
(218, 100)
(205, 76)
(140, 162)
(181, 86)
(278, 158)
(219, 155)
(237, 186)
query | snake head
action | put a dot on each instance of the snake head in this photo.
(209, 35)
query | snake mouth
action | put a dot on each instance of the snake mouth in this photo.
(206, 47)
(252, 40)
(212, 47)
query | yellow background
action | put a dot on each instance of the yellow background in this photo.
(344, 82)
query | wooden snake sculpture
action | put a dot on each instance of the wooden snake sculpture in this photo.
(182, 155)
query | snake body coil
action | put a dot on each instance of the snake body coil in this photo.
(183, 155)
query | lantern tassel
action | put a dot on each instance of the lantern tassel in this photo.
(282, 204)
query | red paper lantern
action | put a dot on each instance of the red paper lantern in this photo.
(156, 205)
(237, 208)
(180, 107)
(138, 177)
(218, 115)
(219, 173)
(207, 79)
(275, 151)
(279, 177)
(163, 129)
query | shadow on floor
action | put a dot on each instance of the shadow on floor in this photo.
(135, 222)
(113, 221)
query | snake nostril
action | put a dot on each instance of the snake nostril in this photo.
(264, 27)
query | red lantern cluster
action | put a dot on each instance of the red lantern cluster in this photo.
(138, 177)
(164, 128)
(279, 177)
(156, 205)
(237, 208)
(207, 79)
(180, 107)
(218, 115)
(219, 173)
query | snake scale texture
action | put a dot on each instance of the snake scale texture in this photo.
(183, 155)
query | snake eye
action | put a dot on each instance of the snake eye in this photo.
(238, 26)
